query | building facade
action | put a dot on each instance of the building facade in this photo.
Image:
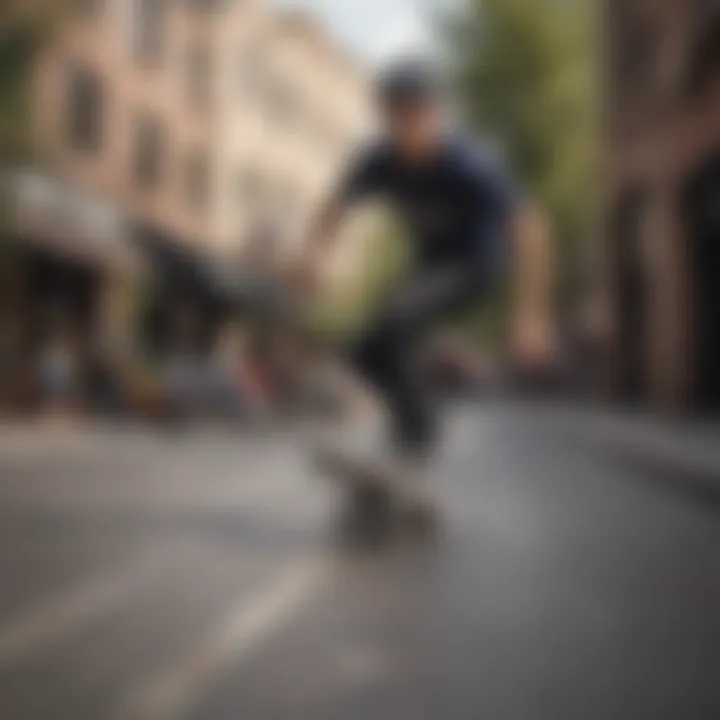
(292, 106)
(203, 121)
(661, 239)
(200, 117)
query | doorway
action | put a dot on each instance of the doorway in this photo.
(61, 301)
(60, 291)
(702, 216)
(631, 311)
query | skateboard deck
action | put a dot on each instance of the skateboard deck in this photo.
(375, 486)
(356, 475)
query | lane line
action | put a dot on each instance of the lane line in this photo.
(59, 616)
(250, 623)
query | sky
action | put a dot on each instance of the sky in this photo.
(375, 29)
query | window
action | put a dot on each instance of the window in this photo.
(148, 149)
(85, 110)
(248, 188)
(703, 66)
(91, 8)
(199, 76)
(287, 203)
(148, 24)
(283, 102)
(251, 70)
(197, 181)
(636, 37)
(206, 5)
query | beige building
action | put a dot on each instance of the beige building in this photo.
(291, 106)
(201, 117)
(205, 120)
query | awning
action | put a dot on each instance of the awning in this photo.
(68, 222)
(191, 274)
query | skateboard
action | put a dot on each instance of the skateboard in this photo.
(374, 489)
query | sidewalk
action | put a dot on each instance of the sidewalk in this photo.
(679, 450)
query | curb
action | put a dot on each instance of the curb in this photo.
(670, 453)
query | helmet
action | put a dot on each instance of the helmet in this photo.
(407, 83)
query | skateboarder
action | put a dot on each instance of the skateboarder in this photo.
(467, 223)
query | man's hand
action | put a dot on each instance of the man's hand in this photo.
(534, 343)
(303, 275)
(304, 272)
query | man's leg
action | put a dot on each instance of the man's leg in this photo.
(390, 354)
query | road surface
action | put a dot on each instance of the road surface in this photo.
(205, 576)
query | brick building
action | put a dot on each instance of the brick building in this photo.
(662, 201)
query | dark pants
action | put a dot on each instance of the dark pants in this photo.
(390, 353)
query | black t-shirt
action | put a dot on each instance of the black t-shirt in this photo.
(456, 206)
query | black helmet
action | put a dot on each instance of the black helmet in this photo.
(407, 83)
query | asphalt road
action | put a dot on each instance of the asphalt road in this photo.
(209, 577)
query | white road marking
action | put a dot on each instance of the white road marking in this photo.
(59, 616)
(242, 631)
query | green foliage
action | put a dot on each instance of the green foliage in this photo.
(25, 25)
(526, 76)
(14, 50)
(17, 48)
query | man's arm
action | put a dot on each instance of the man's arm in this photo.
(533, 284)
(364, 177)
(324, 230)
(508, 214)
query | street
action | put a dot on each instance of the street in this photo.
(206, 575)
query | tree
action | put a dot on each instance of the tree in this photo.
(525, 74)
(25, 26)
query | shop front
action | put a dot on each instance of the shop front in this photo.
(183, 309)
(701, 216)
(66, 312)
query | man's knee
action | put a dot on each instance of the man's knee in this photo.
(372, 350)
(381, 349)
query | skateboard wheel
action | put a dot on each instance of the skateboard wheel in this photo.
(367, 498)
(423, 518)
